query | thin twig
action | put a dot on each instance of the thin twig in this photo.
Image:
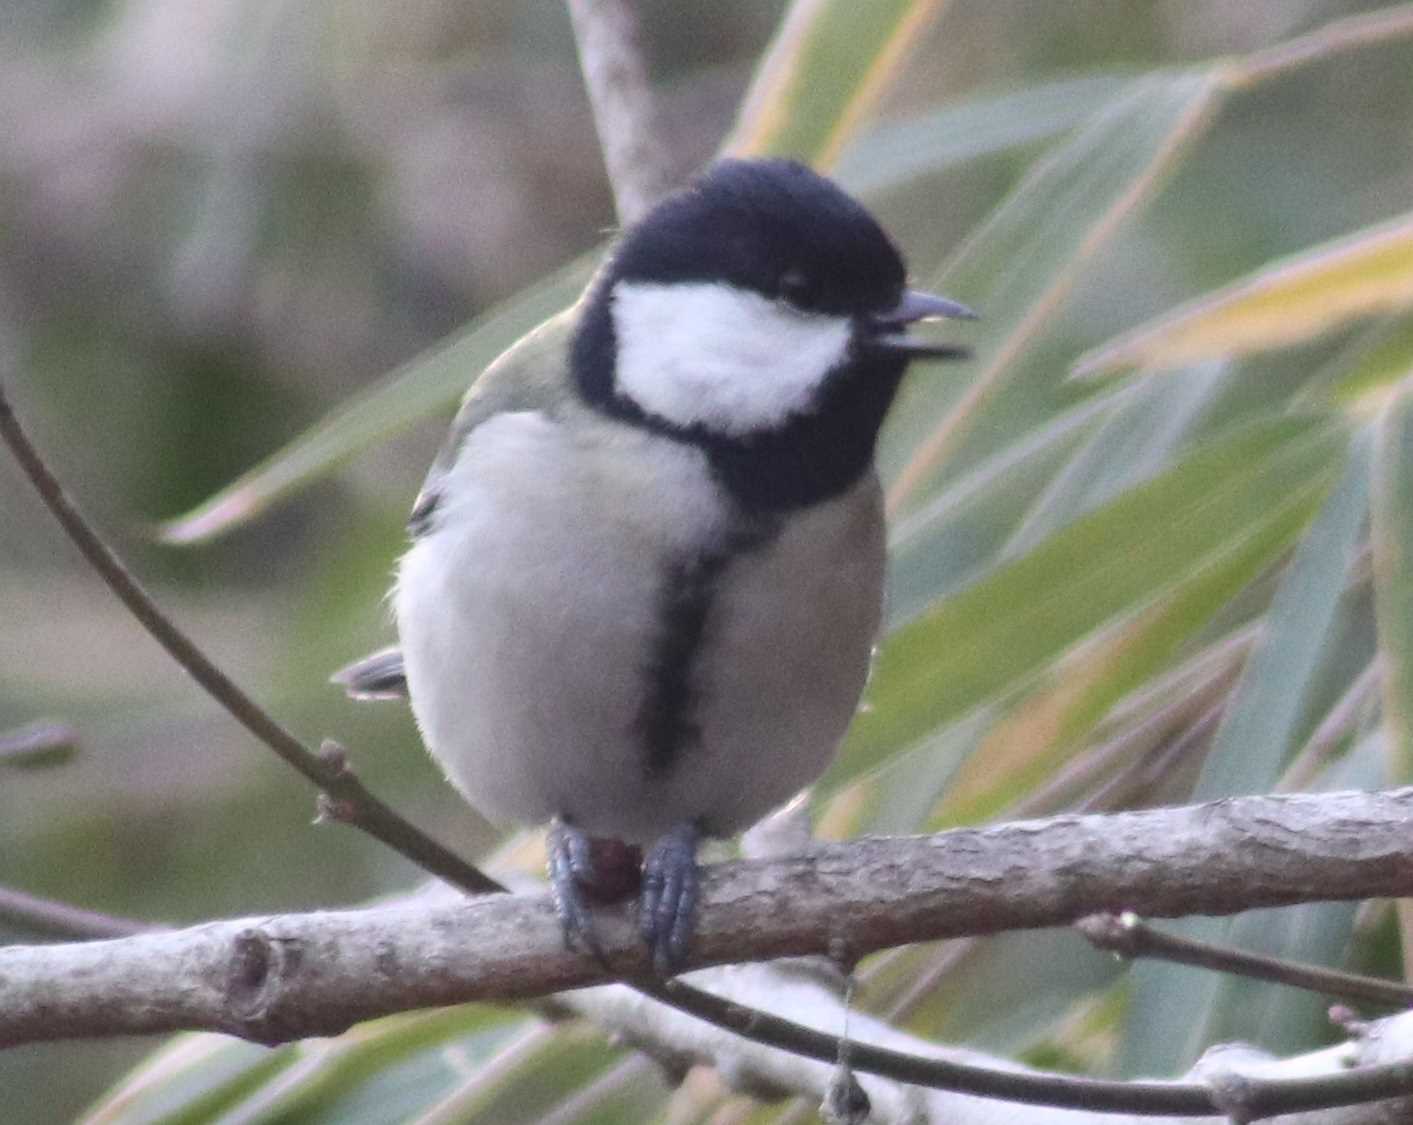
(1128, 786)
(1337, 724)
(1252, 1099)
(1130, 937)
(640, 165)
(62, 919)
(329, 771)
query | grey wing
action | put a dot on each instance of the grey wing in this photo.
(379, 675)
(530, 375)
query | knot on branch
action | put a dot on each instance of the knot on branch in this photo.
(1113, 933)
(1233, 1093)
(259, 969)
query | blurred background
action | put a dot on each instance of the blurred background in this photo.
(221, 218)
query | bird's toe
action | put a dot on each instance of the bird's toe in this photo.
(668, 906)
(571, 869)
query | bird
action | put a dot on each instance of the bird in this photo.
(646, 574)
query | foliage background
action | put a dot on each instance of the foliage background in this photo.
(221, 218)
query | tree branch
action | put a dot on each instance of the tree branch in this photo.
(273, 979)
(1237, 1085)
(1128, 936)
(640, 165)
(62, 919)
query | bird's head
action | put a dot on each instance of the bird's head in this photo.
(759, 311)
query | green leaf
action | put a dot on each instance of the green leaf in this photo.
(1013, 761)
(937, 548)
(433, 381)
(1010, 991)
(384, 1070)
(1196, 1007)
(188, 1081)
(533, 1078)
(1017, 268)
(1366, 380)
(1258, 730)
(1248, 752)
(890, 155)
(1136, 440)
(1003, 630)
(1393, 576)
(1290, 300)
(825, 70)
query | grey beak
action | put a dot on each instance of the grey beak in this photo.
(889, 327)
(916, 305)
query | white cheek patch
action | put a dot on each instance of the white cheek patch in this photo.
(725, 358)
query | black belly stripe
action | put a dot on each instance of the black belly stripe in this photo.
(667, 720)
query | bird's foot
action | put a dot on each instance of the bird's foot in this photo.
(585, 869)
(668, 906)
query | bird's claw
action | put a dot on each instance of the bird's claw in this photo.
(668, 905)
(571, 869)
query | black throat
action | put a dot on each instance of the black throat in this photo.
(813, 457)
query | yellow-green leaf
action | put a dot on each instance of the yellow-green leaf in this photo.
(1371, 370)
(825, 70)
(432, 381)
(1290, 300)
(1000, 632)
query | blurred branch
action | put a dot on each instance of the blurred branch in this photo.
(289, 976)
(1245, 1084)
(1338, 724)
(1128, 936)
(38, 744)
(61, 919)
(636, 152)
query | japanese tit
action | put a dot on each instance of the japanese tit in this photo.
(647, 568)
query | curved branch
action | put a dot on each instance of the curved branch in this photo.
(1239, 1085)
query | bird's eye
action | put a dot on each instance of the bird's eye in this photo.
(795, 286)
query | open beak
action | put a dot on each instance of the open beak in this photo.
(888, 330)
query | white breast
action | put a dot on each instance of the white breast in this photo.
(529, 614)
